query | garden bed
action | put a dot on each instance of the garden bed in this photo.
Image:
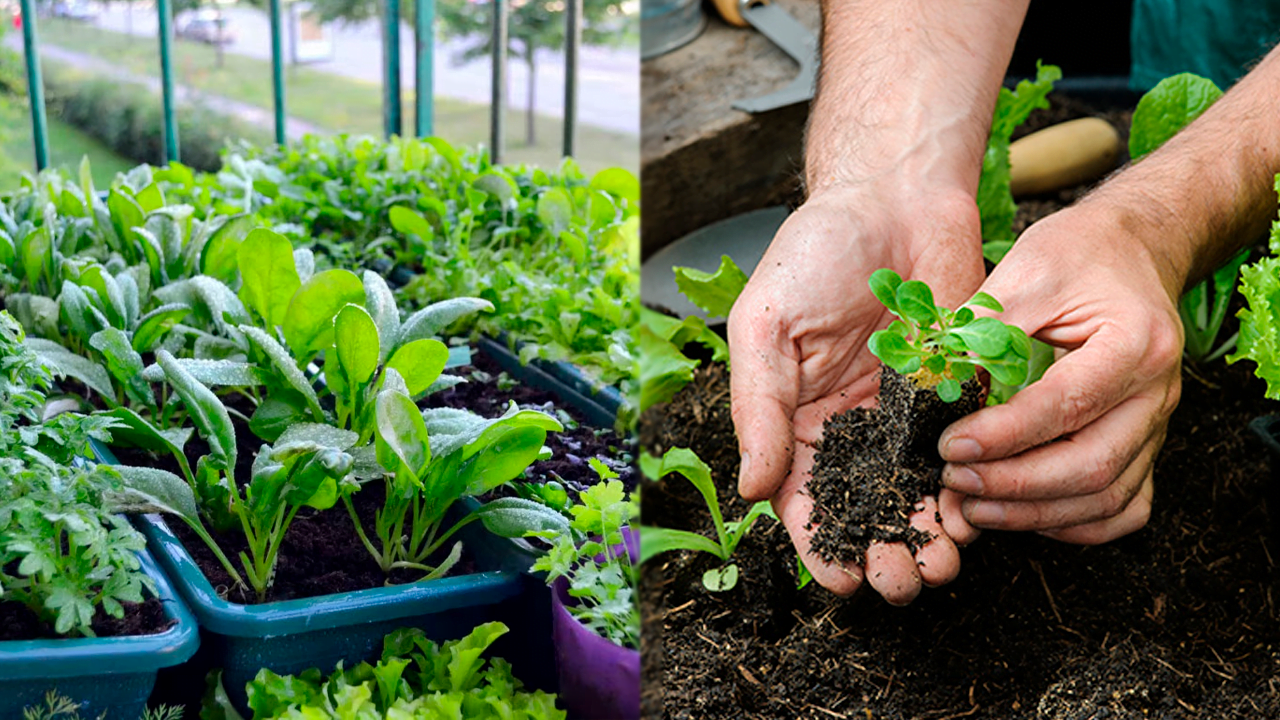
(1177, 620)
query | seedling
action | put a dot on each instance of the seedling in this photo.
(942, 348)
(655, 540)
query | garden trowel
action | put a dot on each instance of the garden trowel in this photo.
(788, 34)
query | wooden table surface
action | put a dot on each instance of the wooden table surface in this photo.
(701, 160)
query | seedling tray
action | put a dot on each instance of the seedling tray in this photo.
(599, 405)
(294, 635)
(114, 676)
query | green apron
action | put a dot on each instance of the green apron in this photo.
(1217, 39)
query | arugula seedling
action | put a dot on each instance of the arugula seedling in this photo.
(307, 467)
(943, 348)
(655, 540)
(431, 459)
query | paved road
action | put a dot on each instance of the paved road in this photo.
(262, 117)
(609, 79)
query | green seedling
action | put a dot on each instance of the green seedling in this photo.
(656, 540)
(943, 348)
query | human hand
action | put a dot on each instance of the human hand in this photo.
(1071, 455)
(798, 338)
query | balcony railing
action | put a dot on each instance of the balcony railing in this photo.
(392, 100)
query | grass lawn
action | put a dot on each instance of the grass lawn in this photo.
(66, 146)
(337, 103)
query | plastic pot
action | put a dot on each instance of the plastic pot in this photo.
(598, 679)
(105, 675)
(294, 635)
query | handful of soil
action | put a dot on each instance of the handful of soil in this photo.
(874, 466)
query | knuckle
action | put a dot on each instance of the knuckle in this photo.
(1077, 405)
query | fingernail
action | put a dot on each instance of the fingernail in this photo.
(961, 449)
(962, 479)
(984, 513)
(744, 466)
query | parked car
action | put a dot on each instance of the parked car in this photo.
(74, 10)
(207, 26)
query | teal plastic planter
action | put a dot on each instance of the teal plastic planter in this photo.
(294, 635)
(106, 675)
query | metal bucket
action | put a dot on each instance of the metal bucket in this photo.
(668, 24)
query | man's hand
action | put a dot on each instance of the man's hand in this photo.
(1072, 454)
(798, 338)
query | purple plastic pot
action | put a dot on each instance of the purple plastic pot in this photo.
(598, 679)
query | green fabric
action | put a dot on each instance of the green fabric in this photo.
(1217, 39)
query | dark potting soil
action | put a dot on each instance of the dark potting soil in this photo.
(17, 622)
(875, 465)
(1175, 621)
(488, 391)
(322, 554)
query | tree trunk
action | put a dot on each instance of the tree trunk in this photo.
(530, 118)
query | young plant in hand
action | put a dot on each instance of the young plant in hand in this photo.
(942, 348)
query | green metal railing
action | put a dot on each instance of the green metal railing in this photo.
(424, 38)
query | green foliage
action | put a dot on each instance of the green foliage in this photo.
(591, 554)
(664, 368)
(948, 345)
(462, 228)
(995, 201)
(1167, 108)
(61, 707)
(1161, 113)
(126, 118)
(1259, 338)
(656, 540)
(62, 555)
(415, 678)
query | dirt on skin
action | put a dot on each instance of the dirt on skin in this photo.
(1176, 621)
(874, 466)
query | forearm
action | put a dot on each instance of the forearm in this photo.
(1209, 191)
(908, 85)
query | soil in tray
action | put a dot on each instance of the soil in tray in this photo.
(488, 391)
(322, 554)
(1178, 620)
(144, 618)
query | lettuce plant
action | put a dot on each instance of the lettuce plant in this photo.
(943, 348)
(655, 540)
(1259, 338)
(1161, 113)
(415, 677)
(664, 368)
(995, 201)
